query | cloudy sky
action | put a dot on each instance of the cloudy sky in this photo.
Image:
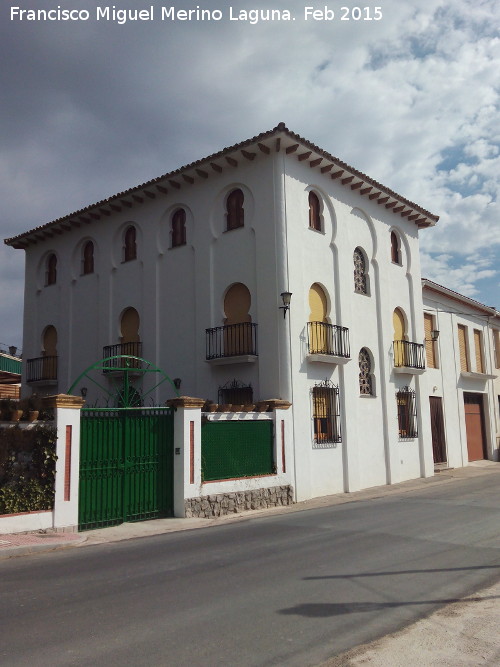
(90, 108)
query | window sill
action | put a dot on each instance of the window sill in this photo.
(327, 358)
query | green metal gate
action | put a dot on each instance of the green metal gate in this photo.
(126, 465)
(237, 449)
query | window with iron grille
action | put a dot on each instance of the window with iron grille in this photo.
(407, 413)
(365, 373)
(326, 413)
(235, 393)
(360, 278)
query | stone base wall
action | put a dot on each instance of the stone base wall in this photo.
(220, 504)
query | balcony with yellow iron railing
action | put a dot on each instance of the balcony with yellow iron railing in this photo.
(408, 357)
(42, 370)
(232, 343)
(327, 342)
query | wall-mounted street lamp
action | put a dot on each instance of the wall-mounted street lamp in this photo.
(286, 298)
(434, 334)
(83, 392)
(177, 383)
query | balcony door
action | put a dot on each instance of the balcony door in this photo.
(474, 426)
(437, 429)
(49, 364)
(398, 322)
(318, 334)
(237, 336)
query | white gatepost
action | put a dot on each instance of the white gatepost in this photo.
(67, 420)
(187, 450)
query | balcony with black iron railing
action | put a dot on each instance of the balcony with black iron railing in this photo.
(42, 370)
(232, 343)
(327, 342)
(120, 365)
(408, 357)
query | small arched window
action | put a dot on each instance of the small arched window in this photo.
(234, 210)
(51, 270)
(178, 228)
(130, 244)
(395, 250)
(88, 258)
(360, 277)
(314, 212)
(365, 373)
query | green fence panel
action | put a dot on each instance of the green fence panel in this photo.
(126, 466)
(237, 449)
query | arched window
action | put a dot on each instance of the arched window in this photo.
(234, 210)
(365, 373)
(395, 251)
(88, 258)
(51, 270)
(360, 277)
(178, 228)
(314, 212)
(130, 244)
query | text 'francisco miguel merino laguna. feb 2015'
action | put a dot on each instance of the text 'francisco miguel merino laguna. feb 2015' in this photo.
(172, 13)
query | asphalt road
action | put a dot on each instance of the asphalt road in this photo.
(291, 589)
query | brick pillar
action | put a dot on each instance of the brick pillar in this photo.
(67, 419)
(187, 450)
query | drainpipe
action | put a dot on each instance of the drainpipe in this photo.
(285, 382)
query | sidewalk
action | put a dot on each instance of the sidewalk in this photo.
(25, 544)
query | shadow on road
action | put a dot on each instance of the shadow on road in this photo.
(325, 609)
(356, 575)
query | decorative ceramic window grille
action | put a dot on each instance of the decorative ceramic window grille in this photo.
(360, 282)
(365, 373)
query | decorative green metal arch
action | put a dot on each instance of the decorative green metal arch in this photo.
(124, 366)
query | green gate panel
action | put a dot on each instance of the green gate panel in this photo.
(126, 466)
(237, 449)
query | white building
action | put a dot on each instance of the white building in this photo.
(188, 272)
